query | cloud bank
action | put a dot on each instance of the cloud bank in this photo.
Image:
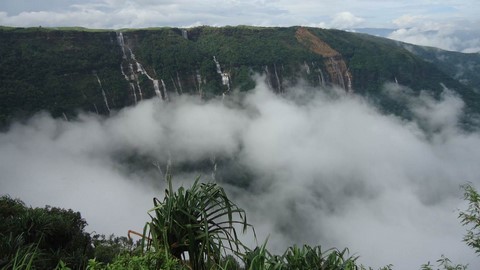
(452, 35)
(321, 167)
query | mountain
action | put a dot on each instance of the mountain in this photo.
(66, 70)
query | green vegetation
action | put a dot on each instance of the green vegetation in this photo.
(53, 69)
(41, 237)
(198, 222)
(471, 218)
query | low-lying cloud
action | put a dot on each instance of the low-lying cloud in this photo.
(452, 35)
(323, 168)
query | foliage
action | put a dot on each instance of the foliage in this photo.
(200, 221)
(306, 257)
(148, 260)
(49, 234)
(444, 264)
(471, 217)
(52, 69)
(108, 248)
(23, 259)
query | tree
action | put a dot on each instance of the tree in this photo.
(49, 234)
(471, 217)
(200, 221)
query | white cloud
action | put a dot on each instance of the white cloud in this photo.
(324, 168)
(345, 20)
(453, 35)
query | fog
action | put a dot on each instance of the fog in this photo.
(322, 167)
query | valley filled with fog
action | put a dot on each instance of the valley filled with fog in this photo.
(315, 166)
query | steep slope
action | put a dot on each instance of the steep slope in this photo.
(463, 67)
(335, 64)
(63, 71)
(60, 72)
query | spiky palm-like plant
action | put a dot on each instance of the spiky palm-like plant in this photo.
(306, 257)
(200, 221)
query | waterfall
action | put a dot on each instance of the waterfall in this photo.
(132, 56)
(349, 81)
(121, 42)
(268, 76)
(219, 70)
(123, 73)
(165, 94)
(179, 83)
(225, 75)
(337, 72)
(140, 68)
(322, 78)
(307, 68)
(139, 88)
(133, 73)
(103, 91)
(157, 89)
(185, 34)
(132, 86)
(199, 81)
(278, 79)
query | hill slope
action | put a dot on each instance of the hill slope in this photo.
(63, 71)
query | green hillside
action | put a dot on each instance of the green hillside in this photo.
(66, 70)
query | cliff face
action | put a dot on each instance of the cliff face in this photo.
(334, 63)
(66, 71)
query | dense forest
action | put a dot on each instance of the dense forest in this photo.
(63, 71)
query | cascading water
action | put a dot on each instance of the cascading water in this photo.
(349, 81)
(121, 42)
(157, 89)
(268, 76)
(225, 75)
(337, 72)
(321, 79)
(219, 70)
(133, 74)
(179, 83)
(335, 65)
(307, 67)
(278, 79)
(103, 91)
(132, 86)
(165, 95)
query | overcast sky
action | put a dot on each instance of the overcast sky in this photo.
(448, 24)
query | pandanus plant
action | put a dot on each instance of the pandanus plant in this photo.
(297, 258)
(200, 222)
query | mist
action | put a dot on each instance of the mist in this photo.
(317, 166)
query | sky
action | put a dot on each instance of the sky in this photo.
(323, 168)
(447, 24)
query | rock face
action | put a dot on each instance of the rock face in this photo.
(64, 71)
(334, 62)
